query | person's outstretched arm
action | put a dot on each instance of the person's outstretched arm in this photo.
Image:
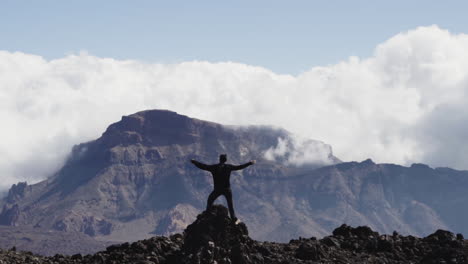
(201, 165)
(243, 166)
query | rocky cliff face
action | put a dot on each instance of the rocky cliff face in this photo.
(136, 181)
(214, 238)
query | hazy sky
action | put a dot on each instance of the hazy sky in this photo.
(379, 80)
(283, 36)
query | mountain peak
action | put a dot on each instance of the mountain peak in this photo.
(154, 128)
(368, 162)
(138, 173)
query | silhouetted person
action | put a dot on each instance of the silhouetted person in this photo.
(221, 173)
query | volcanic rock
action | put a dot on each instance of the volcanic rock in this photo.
(215, 238)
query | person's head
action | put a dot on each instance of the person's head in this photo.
(222, 158)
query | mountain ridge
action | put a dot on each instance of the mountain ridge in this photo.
(136, 181)
(136, 174)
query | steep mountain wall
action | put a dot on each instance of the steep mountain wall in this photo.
(136, 181)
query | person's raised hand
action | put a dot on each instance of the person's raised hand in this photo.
(253, 162)
(192, 160)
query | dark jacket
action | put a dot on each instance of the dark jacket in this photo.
(221, 172)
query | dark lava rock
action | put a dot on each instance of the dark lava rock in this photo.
(214, 238)
(216, 227)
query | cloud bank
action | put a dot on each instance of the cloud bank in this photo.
(404, 104)
(299, 151)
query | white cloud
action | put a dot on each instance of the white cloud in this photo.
(300, 151)
(403, 104)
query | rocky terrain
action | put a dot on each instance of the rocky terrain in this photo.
(136, 181)
(49, 242)
(214, 238)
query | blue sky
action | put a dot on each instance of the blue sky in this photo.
(400, 99)
(284, 36)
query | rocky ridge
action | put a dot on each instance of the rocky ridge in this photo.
(214, 238)
(136, 181)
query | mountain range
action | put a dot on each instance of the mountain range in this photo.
(136, 181)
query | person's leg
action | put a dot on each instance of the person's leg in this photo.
(211, 198)
(228, 194)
